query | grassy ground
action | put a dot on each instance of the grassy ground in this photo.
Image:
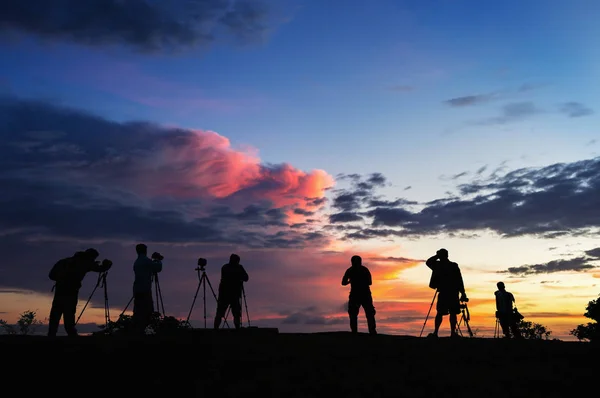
(228, 364)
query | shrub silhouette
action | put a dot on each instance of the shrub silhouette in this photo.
(26, 324)
(591, 331)
(159, 325)
(533, 331)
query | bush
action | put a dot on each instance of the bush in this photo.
(26, 324)
(533, 331)
(590, 331)
(159, 325)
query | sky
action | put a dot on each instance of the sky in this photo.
(297, 133)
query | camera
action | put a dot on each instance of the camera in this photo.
(202, 262)
(107, 263)
(157, 256)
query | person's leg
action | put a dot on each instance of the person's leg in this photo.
(453, 310)
(453, 321)
(55, 314)
(369, 308)
(69, 310)
(353, 308)
(441, 309)
(143, 307)
(236, 311)
(504, 324)
(221, 309)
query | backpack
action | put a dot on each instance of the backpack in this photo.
(61, 270)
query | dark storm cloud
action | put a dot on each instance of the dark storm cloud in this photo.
(70, 174)
(144, 25)
(577, 264)
(553, 201)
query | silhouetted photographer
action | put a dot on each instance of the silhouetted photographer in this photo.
(359, 278)
(68, 273)
(505, 313)
(446, 278)
(144, 268)
(233, 276)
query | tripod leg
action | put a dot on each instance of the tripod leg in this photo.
(217, 300)
(193, 302)
(106, 306)
(88, 300)
(204, 298)
(127, 306)
(246, 304)
(428, 312)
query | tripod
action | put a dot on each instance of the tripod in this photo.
(428, 312)
(465, 318)
(159, 299)
(245, 302)
(202, 281)
(100, 283)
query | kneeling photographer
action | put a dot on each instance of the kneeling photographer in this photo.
(144, 268)
(233, 276)
(447, 279)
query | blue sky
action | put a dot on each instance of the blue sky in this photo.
(420, 91)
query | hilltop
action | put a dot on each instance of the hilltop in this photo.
(229, 363)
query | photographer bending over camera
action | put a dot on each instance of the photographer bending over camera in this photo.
(447, 279)
(144, 268)
(68, 273)
(233, 275)
(505, 312)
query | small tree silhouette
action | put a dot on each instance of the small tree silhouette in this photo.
(591, 331)
(533, 331)
(26, 324)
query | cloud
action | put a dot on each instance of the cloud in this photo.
(512, 112)
(143, 25)
(575, 109)
(553, 201)
(65, 170)
(577, 264)
(402, 88)
(470, 100)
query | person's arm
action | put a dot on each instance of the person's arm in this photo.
(243, 274)
(497, 301)
(369, 278)
(346, 278)
(431, 262)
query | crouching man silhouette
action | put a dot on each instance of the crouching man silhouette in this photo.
(359, 278)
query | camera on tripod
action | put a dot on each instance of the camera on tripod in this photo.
(157, 256)
(201, 264)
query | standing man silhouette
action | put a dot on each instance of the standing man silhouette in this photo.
(143, 306)
(233, 275)
(359, 278)
(504, 312)
(447, 279)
